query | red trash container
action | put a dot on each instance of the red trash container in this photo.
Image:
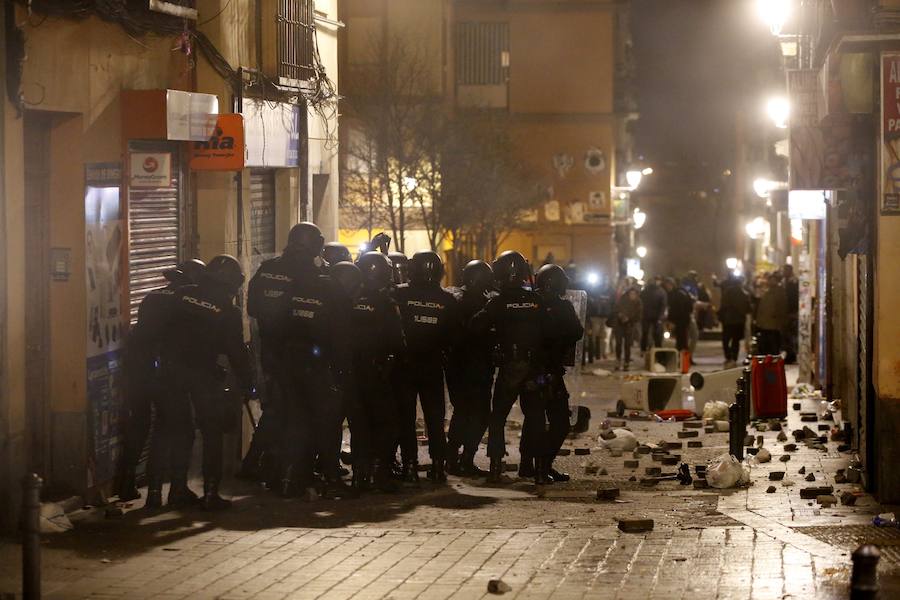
(768, 387)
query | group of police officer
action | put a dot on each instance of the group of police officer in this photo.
(361, 342)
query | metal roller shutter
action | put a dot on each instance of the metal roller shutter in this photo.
(154, 219)
(262, 214)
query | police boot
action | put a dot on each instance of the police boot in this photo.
(541, 476)
(467, 467)
(287, 486)
(180, 495)
(383, 480)
(337, 487)
(436, 473)
(556, 476)
(410, 472)
(526, 467)
(360, 481)
(127, 488)
(251, 465)
(154, 493)
(453, 465)
(495, 475)
(211, 498)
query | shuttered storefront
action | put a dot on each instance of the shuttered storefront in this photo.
(154, 223)
(262, 215)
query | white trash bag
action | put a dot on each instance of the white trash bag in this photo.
(726, 472)
(624, 440)
(717, 411)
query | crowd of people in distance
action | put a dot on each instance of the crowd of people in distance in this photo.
(361, 342)
(763, 311)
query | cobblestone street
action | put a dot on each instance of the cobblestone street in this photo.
(450, 541)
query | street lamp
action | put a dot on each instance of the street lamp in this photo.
(762, 187)
(641, 251)
(778, 109)
(633, 177)
(731, 263)
(756, 228)
(638, 218)
(775, 13)
(647, 171)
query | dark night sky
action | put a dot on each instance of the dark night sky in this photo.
(697, 62)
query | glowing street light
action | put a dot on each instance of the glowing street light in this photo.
(731, 263)
(641, 251)
(778, 109)
(762, 187)
(638, 218)
(647, 171)
(633, 177)
(775, 13)
(756, 228)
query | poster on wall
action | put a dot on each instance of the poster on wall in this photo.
(105, 281)
(890, 133)
(150, 169)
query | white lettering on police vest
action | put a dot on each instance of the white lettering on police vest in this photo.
(420, 304)
(273, 293)
(276, 277)
(304, 314)
(202, 304)
(425, 319)
(365, 307)
(521, 305)
(312, 301)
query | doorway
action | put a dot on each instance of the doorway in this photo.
(37, 128)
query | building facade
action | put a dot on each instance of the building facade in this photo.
(132, 142)
(558, 73)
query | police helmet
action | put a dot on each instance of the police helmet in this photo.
(226, 270)
(187, 272)
(511, 269)
(552, 279)
(335, 252)
(376, 270)
(400, 264)
(477, 274)
(306, 240)
(348, 276)
(426, 266)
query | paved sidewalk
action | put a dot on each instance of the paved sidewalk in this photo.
(450, 541)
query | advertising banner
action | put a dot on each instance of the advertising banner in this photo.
(890, 133)
(105, 281)
(150, 169)
(224, 149)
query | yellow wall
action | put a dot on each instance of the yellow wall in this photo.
(887, 318)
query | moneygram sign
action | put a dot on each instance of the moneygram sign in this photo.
(150, 169)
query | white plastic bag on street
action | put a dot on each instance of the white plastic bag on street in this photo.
(726, 472)
(624, 440)
(717, 411)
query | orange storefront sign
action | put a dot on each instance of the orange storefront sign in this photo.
(224, 150)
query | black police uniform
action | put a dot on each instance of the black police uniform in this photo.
(314, 354)
(204, 324)
(519, 317)
(430, 324)
(470, 375)
(144, 385)
(266, 296)
(377, 338)
(564, 331)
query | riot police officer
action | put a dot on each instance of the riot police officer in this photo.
(314, 355)
(400, 266)
(204, 323)
(377, 339)
(470, 373)
(265, 303)
(519, 317)
(335, 252)
(143, 379)
(430, 322)
(565, 330)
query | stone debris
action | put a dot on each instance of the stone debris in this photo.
(674, 445)
(563, 452)
(615, 453)
(610, 493)
(590, 470)
(643, 449)
(802, 470)
(760, 439)
(695, 444)
(790, 447)
(840, 477)
(709, 429)
(848, 499)
(582, 451)
(631, 464)
(688, 433)
(811, 493)
(692, 424)
(763, 455)
(795, 406)
(700, 484)
(770, 489)
(824, 427)
(810, 477)
(776, 475)
(782, 436)
(653, 470)
(748, 440)
(762, 427)
(826, 500)
(498, 586)
(632, 478)
(603, 472)
(635, 525)
(774, 425)
(784, 457)
(722, 426)
(671, 460)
